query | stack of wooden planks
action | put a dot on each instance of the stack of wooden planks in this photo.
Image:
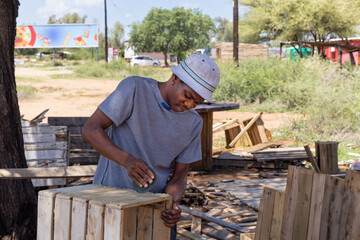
(224, 51)
(314, 206)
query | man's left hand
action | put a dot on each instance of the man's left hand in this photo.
(171, 216)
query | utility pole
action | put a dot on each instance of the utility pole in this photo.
(236, 33)
(106, 41)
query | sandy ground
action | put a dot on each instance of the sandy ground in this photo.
(80, 97)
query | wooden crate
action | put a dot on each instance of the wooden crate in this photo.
(99, 212)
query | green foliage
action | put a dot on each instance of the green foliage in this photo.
(328, 96)
(117, 33)
(177, 31)
(299, 20)
(25, 92)
(67, 18)
(224, 30)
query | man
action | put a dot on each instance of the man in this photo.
(151, 125)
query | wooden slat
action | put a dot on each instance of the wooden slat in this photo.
(45, 226)
(62, 218)
(190, 235)
(144, 223)
(160, 231)
(212, 219)
(276, 221)
(46, 146)
(263, 226)
(114, 223)
(51, 172)
(95, 222)
(67, 121)
(130, 223)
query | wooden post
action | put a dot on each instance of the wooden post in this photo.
(327, 157)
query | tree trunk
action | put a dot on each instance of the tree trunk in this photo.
(17, 197)
(352, 59)
(165, 59)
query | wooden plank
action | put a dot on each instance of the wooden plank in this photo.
(78, 220)
(45, 154)
(50, 172)
(95, 221)
(196, 225)
(144, 223)
(218, 232)
(350, 218)
(265, 218)
(317, 196)
(232, 144)
(67, 121)
(62, 218)
(45, 146)
(114, 223)
(212, 219)
(247, 236)
(326, 153)
(45, 217)
(224, 125)
(331, 211)
(311, 158)
(45, 129)
(130, 223)
(277, 216)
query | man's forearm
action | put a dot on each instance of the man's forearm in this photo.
(176, 188)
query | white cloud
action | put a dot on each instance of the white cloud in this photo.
(128, 15)
(62, 7)
(190, 5)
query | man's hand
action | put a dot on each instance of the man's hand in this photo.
(171, 216)
(139, 172)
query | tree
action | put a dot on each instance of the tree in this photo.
(67, 18)
(224, 30)
(17, 197)
(293, 20)
(176, 30)
(117, 33)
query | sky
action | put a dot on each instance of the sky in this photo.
(37, 12)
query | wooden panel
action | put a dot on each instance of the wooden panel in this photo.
(95, 222)
(45, 154)
(48, 182)
(78, 220)
(160, 231)
(67, 121)
(130, 223)
(331, 211)
(45, 146)
(144, 223)
(263, 226)
(114, 223)
(326, 153)
(297, 203)
(62, 218)
(45, 218)
(317, 197)
(350, 219)
(276, 221)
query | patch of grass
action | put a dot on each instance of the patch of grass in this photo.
(20, 79)
(25, 92)
(50, 89)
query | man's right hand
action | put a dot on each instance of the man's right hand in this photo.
(139, 172)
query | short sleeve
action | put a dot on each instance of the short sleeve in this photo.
(192, 152)
(119, 104)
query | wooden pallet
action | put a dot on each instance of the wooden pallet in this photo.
(314, 206)
(98, 212)
(46, 146)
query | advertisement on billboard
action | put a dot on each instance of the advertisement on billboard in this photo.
(57, 36)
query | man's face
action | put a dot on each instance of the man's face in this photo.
(182, 97)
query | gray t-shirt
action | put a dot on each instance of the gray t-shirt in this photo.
(144, 128)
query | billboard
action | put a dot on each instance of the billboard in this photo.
(56, 36)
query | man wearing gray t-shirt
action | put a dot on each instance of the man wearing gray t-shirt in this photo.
(152, 125)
